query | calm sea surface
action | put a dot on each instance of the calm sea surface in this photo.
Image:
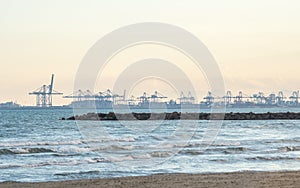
(35, 146)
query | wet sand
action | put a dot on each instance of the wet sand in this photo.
(235, 180)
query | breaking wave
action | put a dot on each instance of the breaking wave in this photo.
(25, 151)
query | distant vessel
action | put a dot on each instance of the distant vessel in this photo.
(7, 105)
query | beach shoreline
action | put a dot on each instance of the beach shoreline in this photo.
(232, 179)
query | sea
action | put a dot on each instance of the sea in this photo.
(37, 146)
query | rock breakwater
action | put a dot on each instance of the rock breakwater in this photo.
(111, 116)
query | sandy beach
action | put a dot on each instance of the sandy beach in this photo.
(237, 179)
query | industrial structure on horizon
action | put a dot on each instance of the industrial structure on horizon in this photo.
(108, 99)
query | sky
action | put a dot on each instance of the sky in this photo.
(255, 42)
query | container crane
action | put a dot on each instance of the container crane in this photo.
(189, 99)
(294, 99)
(209, 99)
(228, 97)
(44, 94)
(156, 97)
(143, 99)
(80, 95)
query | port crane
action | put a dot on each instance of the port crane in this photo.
(143, 99)
(240, 97)
(156, 97)
(152, 98)
(80, 95)
(88, 95)
(209, 98)
(44, 94)
(189, 99)
(280, 98)
(228, 97)
(109, 95)
(294, 99)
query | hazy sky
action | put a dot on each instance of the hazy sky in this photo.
(255, 42)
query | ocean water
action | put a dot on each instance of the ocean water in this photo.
(36, 146)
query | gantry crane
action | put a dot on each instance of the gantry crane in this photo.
(44, 94)
(280, 98)
(88, 95)
(228, 97)
(189, 99)
(143, 99)
(156, 97)
(294, 99)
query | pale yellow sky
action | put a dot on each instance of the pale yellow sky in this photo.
(255, 42)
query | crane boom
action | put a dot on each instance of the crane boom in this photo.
(51, 84)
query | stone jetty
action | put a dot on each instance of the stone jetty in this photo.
(111, 116)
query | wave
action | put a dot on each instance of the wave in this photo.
(78, 173)
(121, 158)
(191, 152)
(235, 150)
(168, 145)
(161, 154)
(228, 150)
(219, 160)
(191, 149)
(25, 151)
(277, 158)
(112, 148)
(289, 148)
(60, 151)
(46, 143)
(109, 139)
(224, 143)
(55, 162)
(66, 142)
(294, 140)
(157, 138)
(144, 156)
(72, 149)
